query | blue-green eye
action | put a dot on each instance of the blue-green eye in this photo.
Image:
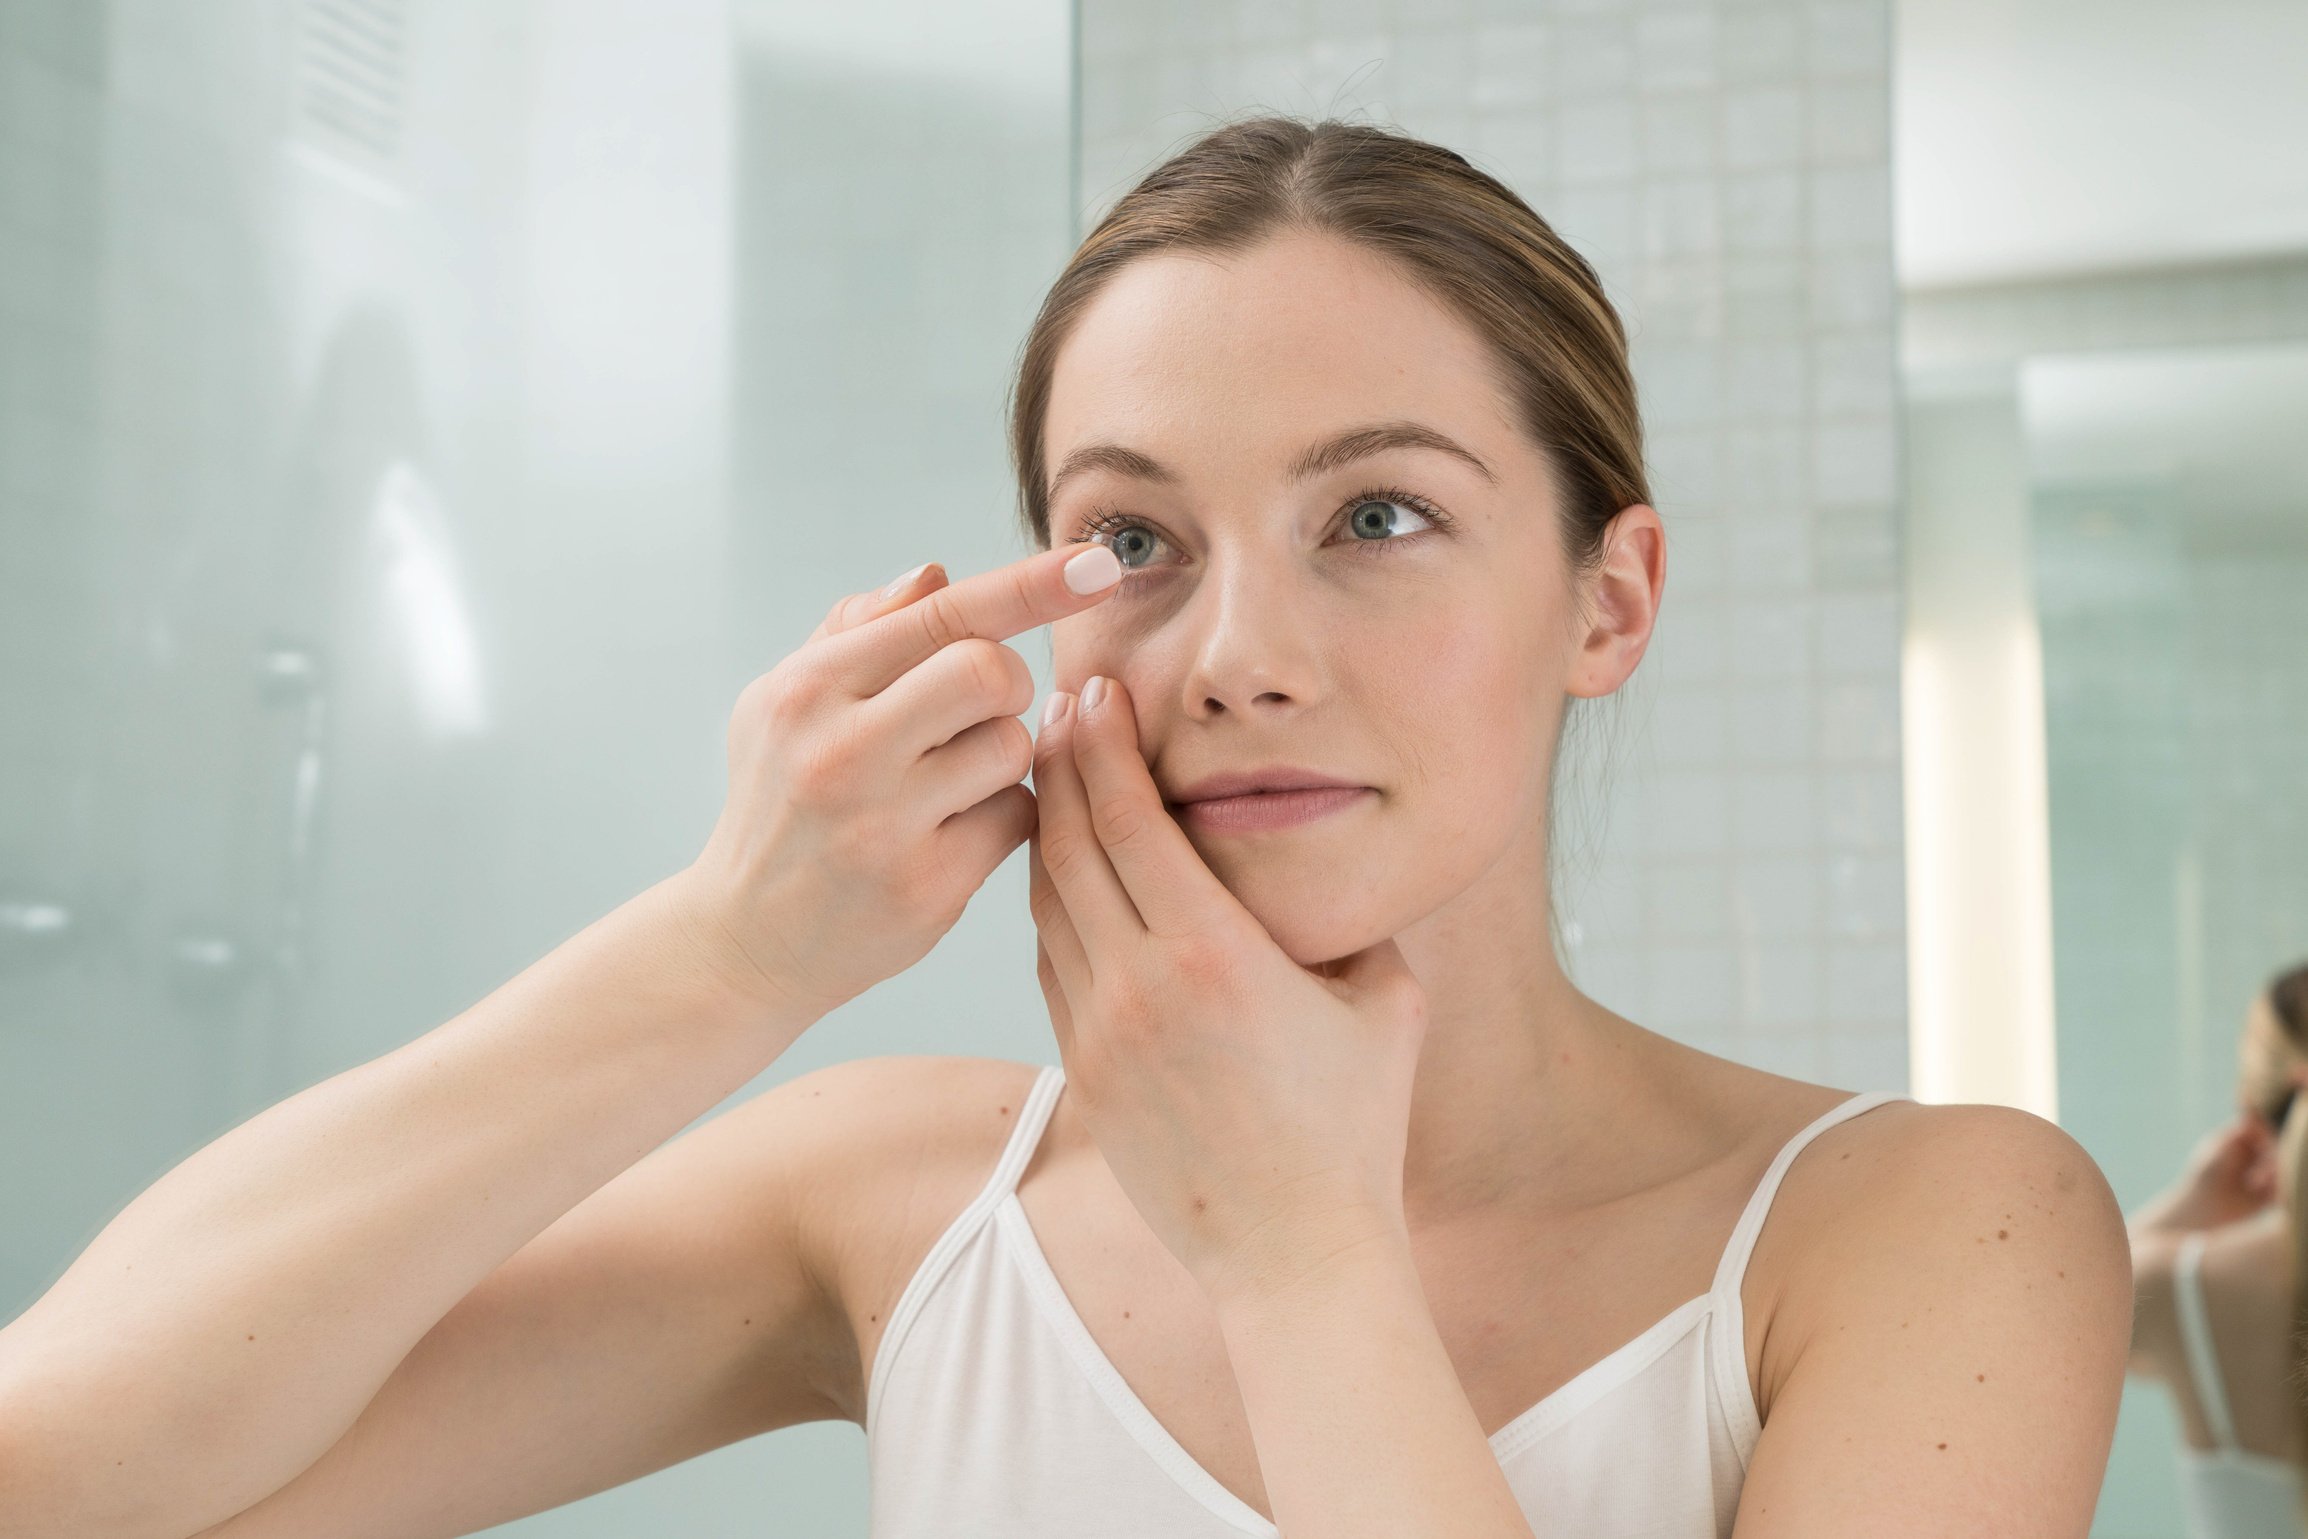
(1120, 535)
(1378, 523)
(1123, 536)
(1367, 514)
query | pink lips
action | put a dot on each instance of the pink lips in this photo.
(1261, 810)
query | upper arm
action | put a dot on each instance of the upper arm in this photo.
(2155, 1316)
(1955, 1341)
(679, 1308)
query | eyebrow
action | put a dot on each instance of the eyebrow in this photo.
(1340, 449)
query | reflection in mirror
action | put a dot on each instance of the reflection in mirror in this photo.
(2127, 529)
(2169, 521)
(2103, 250)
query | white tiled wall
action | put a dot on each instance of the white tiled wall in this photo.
(1733, 872)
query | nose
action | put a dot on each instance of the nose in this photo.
(1255, 644)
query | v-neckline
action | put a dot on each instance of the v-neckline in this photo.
(1526, 1427)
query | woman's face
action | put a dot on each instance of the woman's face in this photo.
(1403, 619)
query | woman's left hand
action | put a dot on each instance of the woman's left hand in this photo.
(1255, 1111)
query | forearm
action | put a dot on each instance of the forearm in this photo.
(1360, 1424)
(229, 1324)
(2177, 1209)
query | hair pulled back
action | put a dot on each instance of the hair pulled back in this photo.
(1458, 232)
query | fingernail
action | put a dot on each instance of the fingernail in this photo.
(1094, 692)
(1054, 707)
(1096, 568)
(898, 584)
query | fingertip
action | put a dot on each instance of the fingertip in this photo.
(1091, 571)
(867, 605)
(1111, 713)
(1057, 711)
(904, 582)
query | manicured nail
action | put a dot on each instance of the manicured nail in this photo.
(1094, 692)
(898, 584)
(1096, 568)
(1053, 708)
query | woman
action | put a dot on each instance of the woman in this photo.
(1359, 1218)
(2217, 1267)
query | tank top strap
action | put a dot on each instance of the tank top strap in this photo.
(1018, 1152)
(1731, 1271)
(2196, 1339)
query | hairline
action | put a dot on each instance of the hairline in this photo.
(1359, 442)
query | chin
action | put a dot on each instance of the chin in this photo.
(1309, 919)
(1326, 898)
(1323, 941)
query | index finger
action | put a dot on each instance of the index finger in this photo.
(1048, 585)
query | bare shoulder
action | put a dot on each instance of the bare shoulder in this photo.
(887, 1151)
(1980, 1213)
(1947, 1346)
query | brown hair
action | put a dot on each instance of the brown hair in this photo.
(1461, 234)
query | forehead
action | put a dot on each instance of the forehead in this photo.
(1248, 353)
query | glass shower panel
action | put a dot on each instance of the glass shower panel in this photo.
(418, 420)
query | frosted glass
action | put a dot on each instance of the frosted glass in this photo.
(398, 482)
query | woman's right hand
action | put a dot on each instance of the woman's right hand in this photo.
(876, 780)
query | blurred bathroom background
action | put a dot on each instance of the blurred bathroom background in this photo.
(418, 421)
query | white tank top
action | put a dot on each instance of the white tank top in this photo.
(2230, 1491)
(991, 1412)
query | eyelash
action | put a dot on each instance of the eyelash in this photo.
(1106, 520)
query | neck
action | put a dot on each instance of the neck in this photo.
(1529, 1093)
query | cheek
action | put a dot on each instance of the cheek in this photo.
(1463, 696)
(1096, 641)
(1451, 709)
(1467, 746)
